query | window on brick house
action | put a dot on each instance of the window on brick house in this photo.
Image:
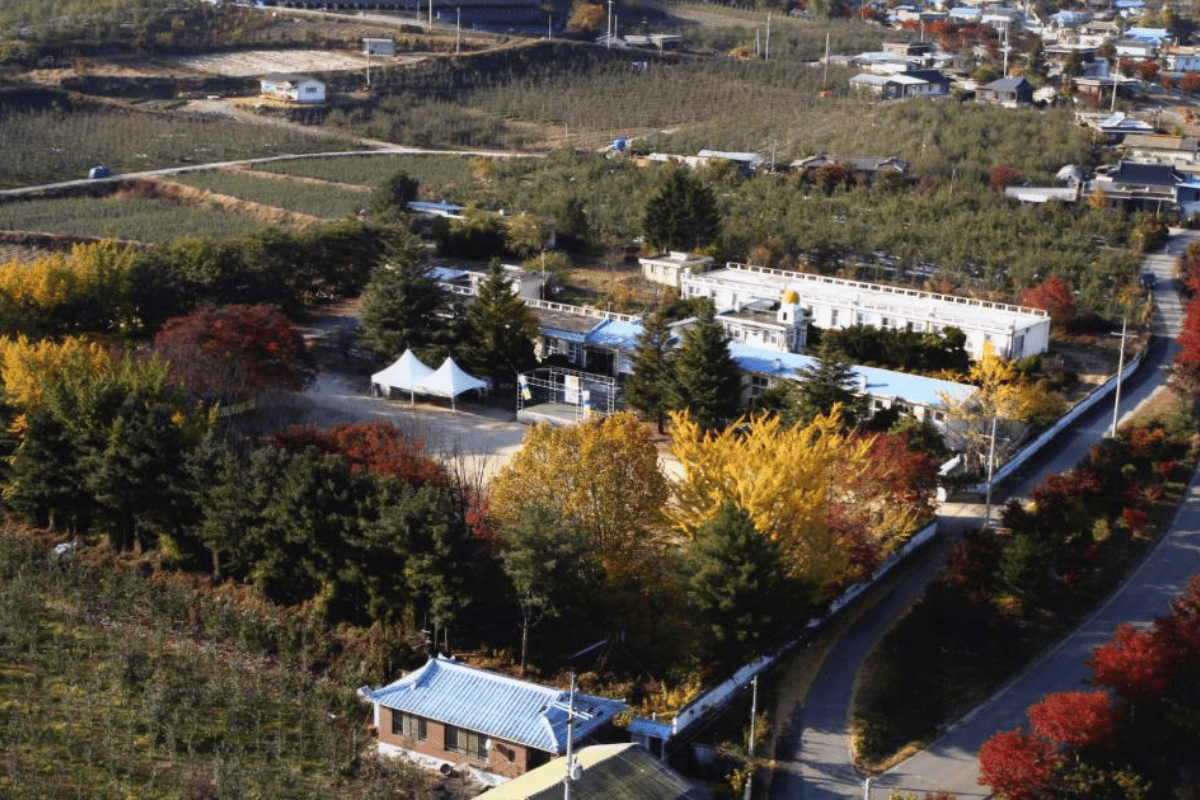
(409, 726)
(469, 743)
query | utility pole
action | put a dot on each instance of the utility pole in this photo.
(825, 79)
(457, 27)
(750, 746)
(987, 517)
(767, 52)
(570, 776)
(608, 37)
(1120, 369)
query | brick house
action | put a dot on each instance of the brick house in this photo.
(447, 714)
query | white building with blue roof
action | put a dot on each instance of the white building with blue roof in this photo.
(449, 714)
(922, 397)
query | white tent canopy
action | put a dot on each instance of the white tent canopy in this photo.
(450, 380)
(405, 374)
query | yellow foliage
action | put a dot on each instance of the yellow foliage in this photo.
(601, 476)
(27, 368)
(785, 479)
(586, 18)
(49, 281)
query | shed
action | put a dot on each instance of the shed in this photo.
(292, 87)
(378, 47)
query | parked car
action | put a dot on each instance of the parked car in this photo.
(99, 172)
(1148, 280)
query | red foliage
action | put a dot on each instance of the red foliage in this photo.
(1016, 765)
(1165, 470)
(1053, 296)
(1189, 268)
(1147, 70)
(1135, 663)
(1135, 518)
(1190, 81)
(1001, 176)
(234, 353)
(904, 474)
(1144, 441)
(1075, 719)
(377, 448)
(1187, 360)
(1180, 632)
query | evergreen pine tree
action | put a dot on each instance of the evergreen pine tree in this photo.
(500, 331)
(647, 388)
(682, 214)
(705, 380)
(829, 382)
(736, 584)
(403, 307)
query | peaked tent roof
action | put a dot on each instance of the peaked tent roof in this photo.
(449, 380)
(493, 704)
(610, 772)
(405, 374)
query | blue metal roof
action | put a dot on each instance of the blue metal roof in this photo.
(619, 335)
(445, 209)
(440, 272)
(493, 704)
(879, 382)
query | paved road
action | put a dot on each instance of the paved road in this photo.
(820, 765)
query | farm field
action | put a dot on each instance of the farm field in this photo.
(369, 170)
(138, 218)
(249, 63)
(43, 146)
(319, 200)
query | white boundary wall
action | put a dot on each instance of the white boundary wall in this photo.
(720, 695)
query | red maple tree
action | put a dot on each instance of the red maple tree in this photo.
(1016, 765)
(1179, 633)
(1075, 719)
(1190, 82)
(1053, 296)
(378, 448)
(1135, 663)
(1187, 360)
(234, 353)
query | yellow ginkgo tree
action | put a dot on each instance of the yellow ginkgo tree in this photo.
(786, 479)
(601, 477)
(1001, 394)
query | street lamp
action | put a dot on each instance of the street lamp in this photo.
(987, 514)
(1120, 370)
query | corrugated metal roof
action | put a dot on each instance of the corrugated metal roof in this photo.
(879, 382)
(619, 335)
(609, 772)
(495, 705)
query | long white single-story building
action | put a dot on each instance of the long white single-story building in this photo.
(604, 343)
(836, 303)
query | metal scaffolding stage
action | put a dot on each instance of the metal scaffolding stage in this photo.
(560, 396)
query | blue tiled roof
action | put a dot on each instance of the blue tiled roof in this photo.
(880, 382)
(494, 705)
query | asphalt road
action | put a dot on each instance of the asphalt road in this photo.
(819, 766)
